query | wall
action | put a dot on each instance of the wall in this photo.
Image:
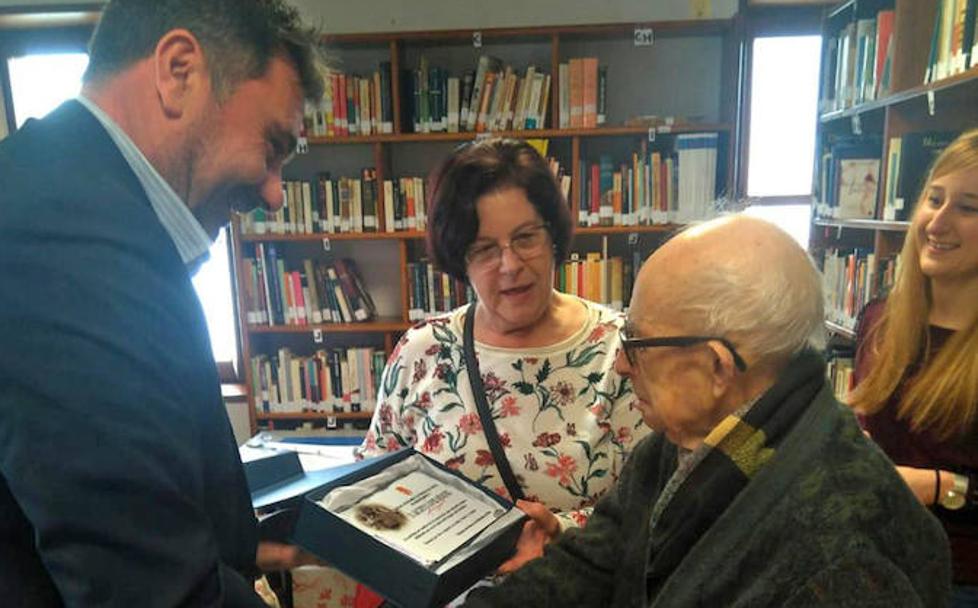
(389, 15)
(386, 15)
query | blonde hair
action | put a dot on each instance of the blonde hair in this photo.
(942, 396)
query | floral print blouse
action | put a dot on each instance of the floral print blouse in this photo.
(565, 417)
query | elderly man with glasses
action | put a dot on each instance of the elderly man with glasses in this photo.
(758, 488)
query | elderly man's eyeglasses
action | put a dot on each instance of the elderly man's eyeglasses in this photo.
(527, 244)
(630, 345)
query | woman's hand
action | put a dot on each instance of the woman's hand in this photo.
(542, 528)
(923, 483)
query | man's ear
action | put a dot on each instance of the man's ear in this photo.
(724, 367)
(181, 71)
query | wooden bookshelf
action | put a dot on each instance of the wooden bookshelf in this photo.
(636, 75)
(910, 106)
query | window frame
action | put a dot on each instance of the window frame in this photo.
(763, 21)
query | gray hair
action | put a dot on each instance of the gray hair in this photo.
(770, 308)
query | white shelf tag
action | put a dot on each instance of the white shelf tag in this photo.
(931, 104)
(643, 36)
(317, 336)
(477, 40)
(327, 246)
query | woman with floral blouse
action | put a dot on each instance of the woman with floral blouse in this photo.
(564, 417)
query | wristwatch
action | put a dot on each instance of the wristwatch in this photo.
(957, 495)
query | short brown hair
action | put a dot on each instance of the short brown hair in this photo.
(238, 37)
(478, 168)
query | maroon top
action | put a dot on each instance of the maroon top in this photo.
(923, 450)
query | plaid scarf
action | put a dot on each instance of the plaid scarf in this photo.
(731, 455)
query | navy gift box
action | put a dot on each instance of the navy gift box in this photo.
(390, 573)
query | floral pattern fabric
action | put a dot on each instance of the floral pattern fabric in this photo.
(565, 417)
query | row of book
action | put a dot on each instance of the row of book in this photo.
(432, 292)
(342, 205)
(599, 278)
(333, 381)
(315, 292)
(857, 62)
(840, 369)
(353, 105)
(853, 277)
(493, 97)
(655, 186)
(850, 174)
(953, 43)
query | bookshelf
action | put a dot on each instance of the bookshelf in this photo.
(641, 81)
(905, 114)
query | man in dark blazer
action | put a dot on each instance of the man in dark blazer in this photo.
(120, 482)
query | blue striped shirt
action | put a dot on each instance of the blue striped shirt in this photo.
(188, 235)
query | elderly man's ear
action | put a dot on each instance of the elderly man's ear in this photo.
(181, 71)
(724, 368)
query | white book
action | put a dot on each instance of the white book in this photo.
(389, 203)
(563, 82)
(452, 105)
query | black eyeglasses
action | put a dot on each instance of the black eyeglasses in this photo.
(630, 345)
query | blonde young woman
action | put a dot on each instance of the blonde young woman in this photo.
(917, 358)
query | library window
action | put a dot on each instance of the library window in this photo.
(39, 82)
(783, 110)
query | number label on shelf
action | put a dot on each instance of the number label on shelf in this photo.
(652, 134)
(302, 145)
(857, 125)
(331, 422)
(633, 238)
(477, 40)
(317, 336)
(327, 246)
(931, 103)
(643, 36)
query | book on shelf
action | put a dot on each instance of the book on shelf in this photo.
(952, 39)
(849, 175)
(338, 380)
(909, 157)
(432, 292)
(493, 97)
(344, 205)
(314, 292)
(851, 279)
(857, 62)
(353, 105)
(598, 277)
(673, 180)
(840, 372)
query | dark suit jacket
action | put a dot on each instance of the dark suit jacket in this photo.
(120, 483)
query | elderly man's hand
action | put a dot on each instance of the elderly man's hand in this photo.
(273, 557)
(537, 533)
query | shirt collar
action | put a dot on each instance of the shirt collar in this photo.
(185, 231)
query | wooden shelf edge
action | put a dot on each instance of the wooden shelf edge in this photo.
(521, 134)
(601, 230)
(967, 77)
(840, 330)
(864, 224)
(403, 235)
(314, 415)
(378, 326)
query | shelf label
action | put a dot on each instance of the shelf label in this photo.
(327, 246)
(317, 336)
(931, 103)
(302, 145)
(857, 124)
(633, 238)
(477, 40)
(652, 134)
(643, 36)
(331, 422)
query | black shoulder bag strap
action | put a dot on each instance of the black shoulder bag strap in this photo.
(485, 413)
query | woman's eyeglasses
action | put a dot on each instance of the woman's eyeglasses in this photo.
(527, 243)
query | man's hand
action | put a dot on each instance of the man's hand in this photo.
(542, 528)
(273, 557)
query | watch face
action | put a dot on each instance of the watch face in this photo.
(953, 500)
